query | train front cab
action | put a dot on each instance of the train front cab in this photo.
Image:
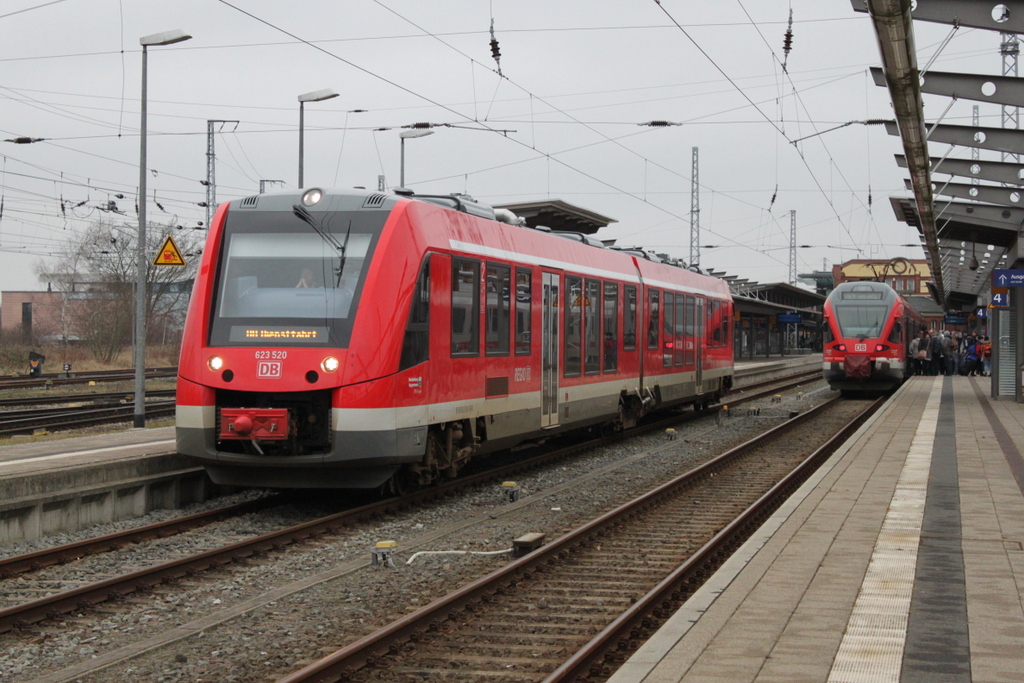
(864, 338)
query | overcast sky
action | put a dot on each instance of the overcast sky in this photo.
(560, 122)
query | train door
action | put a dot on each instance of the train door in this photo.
(549, 346)
(699, 344)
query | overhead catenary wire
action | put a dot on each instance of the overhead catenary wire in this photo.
(801, 155)
(449, 109)
(480, 43)
(640, 198)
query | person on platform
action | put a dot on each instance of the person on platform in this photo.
(985, 354)
(948, 355)
(924, 358)
(936, 354)
(971, 361)
(912, 364)
(955, 356)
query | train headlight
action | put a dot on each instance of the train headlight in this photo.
(881, 347)
(312, 197)
(215, 363)
(840, 347)
(330, 364)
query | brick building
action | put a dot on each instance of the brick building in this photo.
(909, 277)
(38, 315)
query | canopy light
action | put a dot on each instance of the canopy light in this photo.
(312, 197)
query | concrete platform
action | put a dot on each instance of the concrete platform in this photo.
(902, 559)
(61, 485)
(763, 369)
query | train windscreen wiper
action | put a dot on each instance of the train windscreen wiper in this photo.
(304, 214)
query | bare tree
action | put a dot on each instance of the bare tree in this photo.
(96, 277)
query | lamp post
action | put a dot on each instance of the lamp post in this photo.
(414, 133)
(315, 96)
(157, 39)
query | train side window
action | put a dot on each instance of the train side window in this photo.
(592, 327)
(725, 319)
(714, 332)
(629, 319)
(416, 345)
(690, 351)
(681, 342)
(465, 308)
(498, 315)
(711, 330)
(524, 302)
(573, 325)
(654, 322)
(896, 336)
(667, 340)
(611, 326)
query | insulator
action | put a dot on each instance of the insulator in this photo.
(495, 52)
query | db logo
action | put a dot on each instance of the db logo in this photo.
(860, 347)
(270, 369)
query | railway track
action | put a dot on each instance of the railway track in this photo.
(573, 609)
(117, 587)
(57, 379)
(50, 399)
(29, 422)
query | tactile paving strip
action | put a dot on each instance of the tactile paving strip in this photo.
(872, 647)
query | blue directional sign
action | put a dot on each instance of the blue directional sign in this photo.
(790, 318)
(1008, 278)
(1000, 300)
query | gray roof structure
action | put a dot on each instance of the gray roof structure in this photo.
(967, 237)
(558, 215)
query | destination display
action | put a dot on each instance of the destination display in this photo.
(242, 333)
(862, 296)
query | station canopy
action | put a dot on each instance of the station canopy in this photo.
(969, 212)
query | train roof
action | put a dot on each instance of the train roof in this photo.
(343, 199)
(863, 291)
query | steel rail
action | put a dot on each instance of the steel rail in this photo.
(83, 417)
(647, 614)
(53, 379)
(69, 552)
(142, 580)
(370, 649)
(76, 398)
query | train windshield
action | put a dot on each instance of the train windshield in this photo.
(861, 322)
(282, 282)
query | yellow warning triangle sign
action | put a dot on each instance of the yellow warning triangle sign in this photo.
(169, 254)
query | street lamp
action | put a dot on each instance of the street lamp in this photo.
(157, 39)
(315, 96)
(414, 133)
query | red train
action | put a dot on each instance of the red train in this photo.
(353, 339)
(867, 328)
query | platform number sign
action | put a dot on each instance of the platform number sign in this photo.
(169, 254)
(1000, 300)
